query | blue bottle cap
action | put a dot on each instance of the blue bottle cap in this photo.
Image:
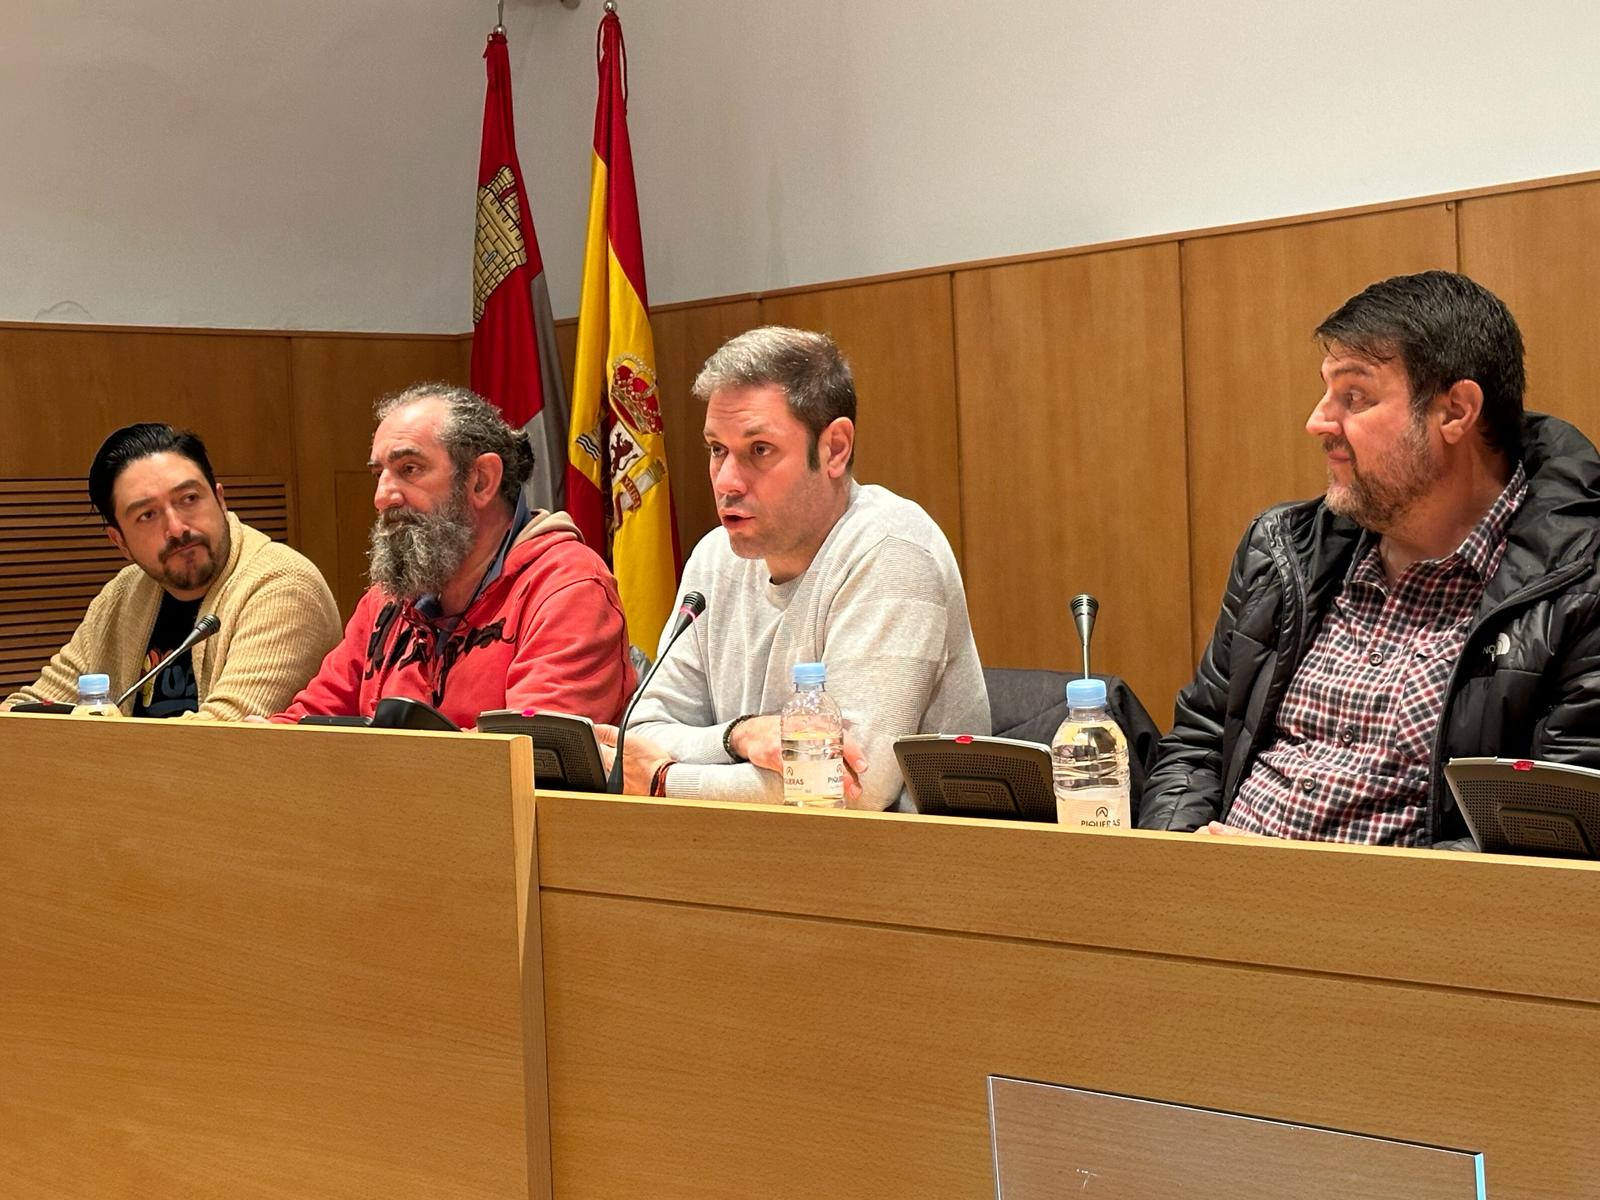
(93, 685)
(810, 674)
(1086, 693)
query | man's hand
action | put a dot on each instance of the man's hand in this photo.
(855, 766)
(1218, 829)
(758, 740)
(641, 759)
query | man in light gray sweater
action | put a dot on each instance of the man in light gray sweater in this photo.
(807, 566)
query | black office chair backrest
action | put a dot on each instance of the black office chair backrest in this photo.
(1029, 706)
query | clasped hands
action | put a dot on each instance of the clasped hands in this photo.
(756, 740)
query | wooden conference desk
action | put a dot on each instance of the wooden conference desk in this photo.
(284, 962)
(254, 962)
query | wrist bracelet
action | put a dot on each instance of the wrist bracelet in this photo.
(658, 781)
(727, 736)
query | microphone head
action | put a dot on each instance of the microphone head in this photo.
(693, 604)
(206, 626)
(1084, 608)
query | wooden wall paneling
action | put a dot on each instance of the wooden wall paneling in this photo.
(567, 346)
(63, 390)
(899, 341)
(262, 503)
(336, 382)
(1250, 302)
(54, 558)
(685, 338)
(353, 515)
(1072, 464)
(1539, 251)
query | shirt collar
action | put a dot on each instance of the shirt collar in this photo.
(1479, 551)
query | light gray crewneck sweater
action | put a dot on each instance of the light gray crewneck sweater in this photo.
(881, 604)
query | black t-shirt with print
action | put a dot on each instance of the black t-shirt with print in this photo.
(172, 691)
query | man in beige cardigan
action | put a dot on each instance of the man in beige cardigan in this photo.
(190, 556)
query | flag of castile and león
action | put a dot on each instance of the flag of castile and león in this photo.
(617, 455)
(515, 363)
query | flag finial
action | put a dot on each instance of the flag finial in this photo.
(500, 17)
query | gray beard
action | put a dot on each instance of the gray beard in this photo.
(414, 554)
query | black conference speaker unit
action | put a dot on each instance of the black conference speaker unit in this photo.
(962, 775)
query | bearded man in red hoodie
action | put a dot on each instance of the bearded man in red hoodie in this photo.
(476, 602)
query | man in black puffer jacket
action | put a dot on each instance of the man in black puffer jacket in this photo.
(1442, 599)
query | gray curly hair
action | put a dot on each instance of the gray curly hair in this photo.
(472, 426)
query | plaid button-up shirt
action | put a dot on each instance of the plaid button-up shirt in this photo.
(1353, 754)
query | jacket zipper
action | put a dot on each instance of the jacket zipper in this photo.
(1547, 586)
(435, 667)
(1294, 592)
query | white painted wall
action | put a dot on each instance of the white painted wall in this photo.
(306, 164)
(279, 164)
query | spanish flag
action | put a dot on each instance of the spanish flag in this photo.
(617, 490)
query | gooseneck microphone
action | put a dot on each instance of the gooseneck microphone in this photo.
(1084, 608)
(688, 613)
(203, 628)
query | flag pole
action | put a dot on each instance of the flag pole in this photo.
(500, 17)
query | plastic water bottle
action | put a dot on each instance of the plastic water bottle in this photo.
(94, 697)
(1090, 757)
(812, 733)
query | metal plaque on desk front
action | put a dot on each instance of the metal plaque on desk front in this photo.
(1059, 1143)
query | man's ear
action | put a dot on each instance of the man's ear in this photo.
(220, 500)
(117, 540)
(835, 444)
(483, 483)
(1459, 408)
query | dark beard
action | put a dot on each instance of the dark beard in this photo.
(1378, 501)
(415, 554)
(202, 573)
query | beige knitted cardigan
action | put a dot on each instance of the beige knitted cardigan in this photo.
(278, 620)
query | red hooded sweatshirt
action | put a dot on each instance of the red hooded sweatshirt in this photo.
(546, 634)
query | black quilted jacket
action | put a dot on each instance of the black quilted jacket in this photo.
(1527, 683)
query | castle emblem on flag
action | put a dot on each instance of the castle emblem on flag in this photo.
(497, 247)
(633, 394)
